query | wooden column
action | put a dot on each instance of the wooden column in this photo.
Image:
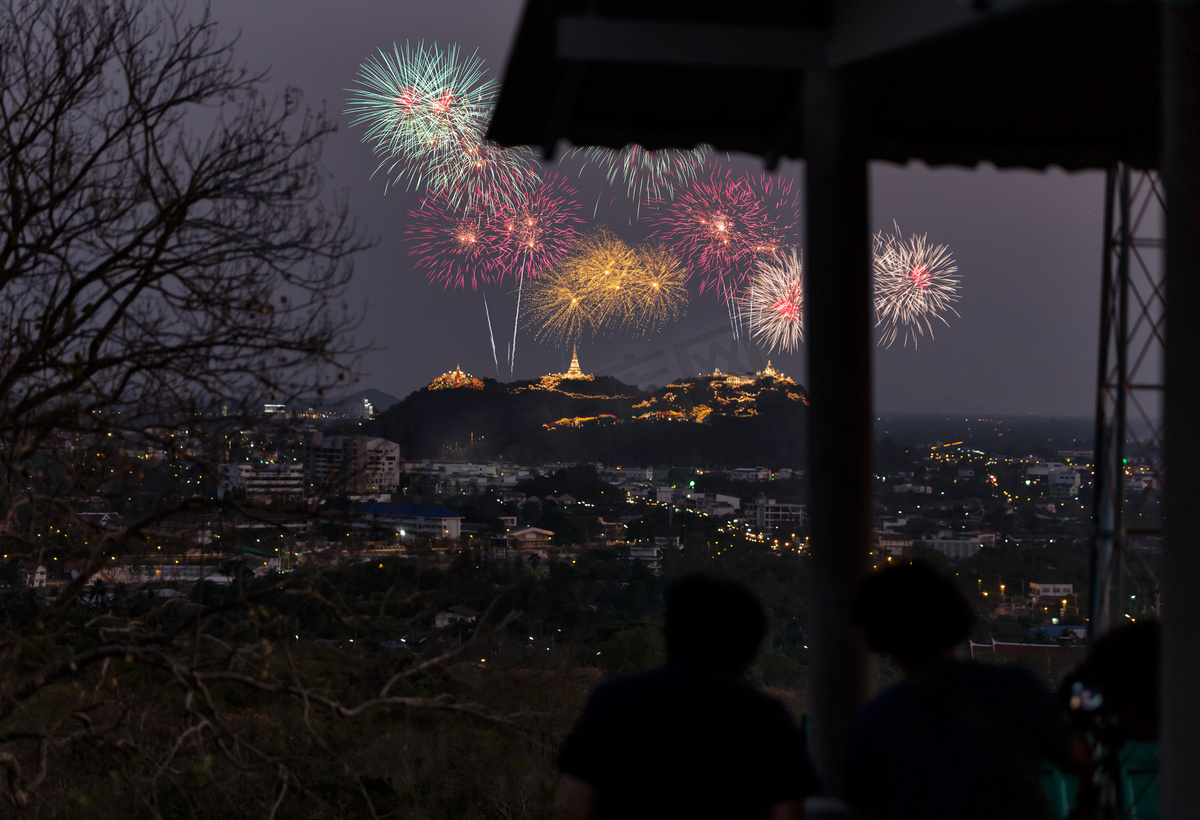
(838, 322)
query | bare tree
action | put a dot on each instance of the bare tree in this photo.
(169, 257)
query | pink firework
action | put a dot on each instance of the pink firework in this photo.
(780, 227)
(451, 246)
(773, 305)
(725, 223)
(534, 234)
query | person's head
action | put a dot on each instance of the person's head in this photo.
(715, 621)
(911, 612)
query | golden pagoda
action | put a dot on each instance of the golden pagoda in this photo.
(575, 371)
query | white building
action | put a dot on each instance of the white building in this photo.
(1045, 590)
(356, 464)
(750, 474)
(716, 504)
(626, 473)
(410, 520)
(956, 547)
(263, 482)
(768, 514)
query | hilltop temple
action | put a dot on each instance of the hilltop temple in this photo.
(768, 372)
(575, 371)
(455, 378)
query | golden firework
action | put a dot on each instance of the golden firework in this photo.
(604, 265)
(558, 308)
(658, 293)
(605, 285)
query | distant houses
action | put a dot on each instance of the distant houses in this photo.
(409, 521)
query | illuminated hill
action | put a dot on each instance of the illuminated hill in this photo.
(721, 419)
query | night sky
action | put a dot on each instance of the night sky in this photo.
(1028, 244)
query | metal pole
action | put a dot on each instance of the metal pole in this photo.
(841, 469)
(1121, 422)
(1180, 751)
(1105, 471)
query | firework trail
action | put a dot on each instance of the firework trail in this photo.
(512, 348)
(534, 235)
(915, 282)
(491, 335)
(648, 176)
(773, 305)
(453, 247)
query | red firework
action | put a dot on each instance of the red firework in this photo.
(780, 200)
(787, 308)
(725, 223)
(452, 246)
(535, 234)
(920, 276)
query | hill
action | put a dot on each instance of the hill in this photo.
(718, 420)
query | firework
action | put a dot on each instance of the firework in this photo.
(534, 234)
(453, 247)
(648, 176)
(779, 229)
(602, 266)
(420, 99)
(725, 223)
(476, 174)
(426, 110)
(773, 305)
(605, 285)
(657, 291)
(915, 282)
(560, 307)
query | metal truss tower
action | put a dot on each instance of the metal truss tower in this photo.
(1129, 442)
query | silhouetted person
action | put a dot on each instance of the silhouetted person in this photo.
(955, 739)
(690, 739)
(1114, 692)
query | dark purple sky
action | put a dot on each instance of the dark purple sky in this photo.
(1028, 245)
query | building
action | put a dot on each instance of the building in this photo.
(1053, 474)
(530, 538)
(33, 575)
(352, 464)
(1050, 590)
(263, 482)
(648, 554)
(894, 543)
(750, 474)
(453, 615)
(454, 379)
(626, 473)
(575, 371)
(952, 547)
(769, 514)
(409, 521)
(716, 504)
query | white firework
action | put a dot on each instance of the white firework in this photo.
(915, 283)
(773, 304)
